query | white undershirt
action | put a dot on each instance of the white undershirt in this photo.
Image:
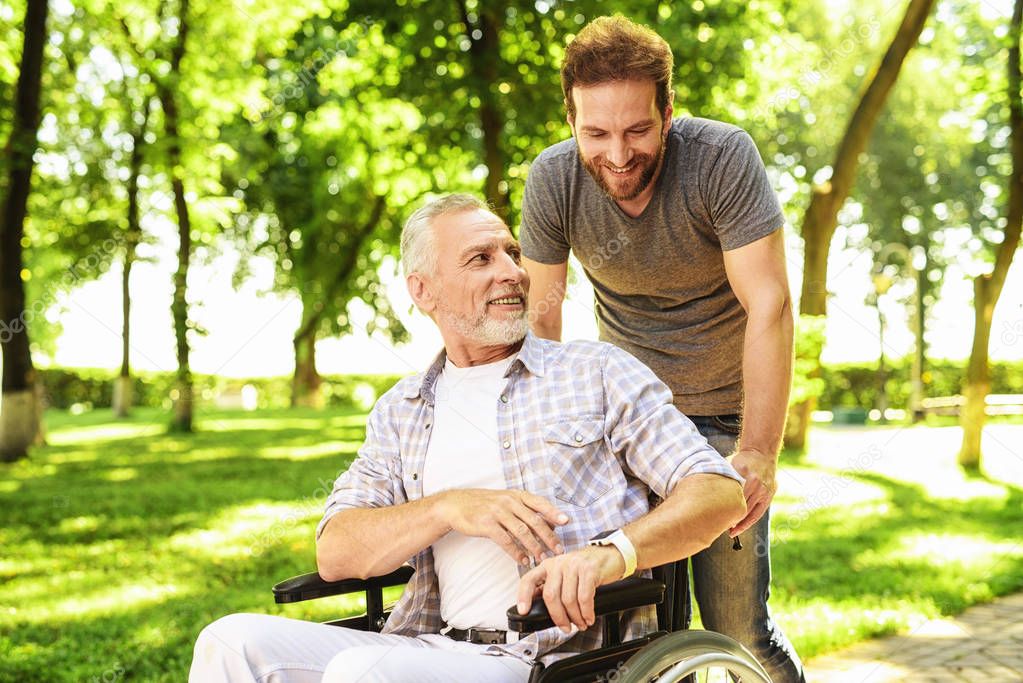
(477, 579)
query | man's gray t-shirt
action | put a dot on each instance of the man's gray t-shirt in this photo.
(659, 279)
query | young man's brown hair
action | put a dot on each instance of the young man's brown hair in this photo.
(617, 49)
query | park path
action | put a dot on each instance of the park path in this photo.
(984, 643)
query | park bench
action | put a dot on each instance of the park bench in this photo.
(995, 404)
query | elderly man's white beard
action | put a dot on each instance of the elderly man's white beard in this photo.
(485, 330)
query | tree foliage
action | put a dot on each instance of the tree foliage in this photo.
(307, 132)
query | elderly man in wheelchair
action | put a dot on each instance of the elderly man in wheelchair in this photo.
(515, 477)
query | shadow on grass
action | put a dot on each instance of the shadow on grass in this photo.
(158, 497)
(154, 486)
(119, 547)
(150, 641)
(910, 548)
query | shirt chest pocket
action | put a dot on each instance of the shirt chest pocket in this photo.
(578, 460)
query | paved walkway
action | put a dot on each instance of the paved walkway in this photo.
(984, 643)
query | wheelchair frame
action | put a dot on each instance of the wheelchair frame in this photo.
(670, 654)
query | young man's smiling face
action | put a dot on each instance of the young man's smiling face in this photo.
(621, 137)
(477, 295)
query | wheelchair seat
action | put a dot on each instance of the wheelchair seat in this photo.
(672, 653)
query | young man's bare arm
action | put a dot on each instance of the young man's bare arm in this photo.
(757, 275)
(546, 294)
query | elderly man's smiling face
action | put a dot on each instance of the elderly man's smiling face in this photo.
(477, 294)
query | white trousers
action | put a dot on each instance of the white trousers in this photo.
(261, 648)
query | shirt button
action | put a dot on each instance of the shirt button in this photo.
(504, 398)
(415, 475)
(506, 444)
(578, 438)
(427, 426)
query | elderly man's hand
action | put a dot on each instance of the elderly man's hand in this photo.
(568, 582)
(758, 469)
(521, 523)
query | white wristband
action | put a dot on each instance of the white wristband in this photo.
(619, 540)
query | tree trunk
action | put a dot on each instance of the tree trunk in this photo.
(882, 369)
(484, 57)
(305, 385)
(916, 379)
(797, 425)
(124, 385)
(978, 382)
(179, 305)
(987, 288)
(182, 420)
(821, 217)
(20, 413)
(123, 396)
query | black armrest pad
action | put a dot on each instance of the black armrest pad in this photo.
(311, 586)
(613, 597)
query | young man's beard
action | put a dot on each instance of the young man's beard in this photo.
(648, 163)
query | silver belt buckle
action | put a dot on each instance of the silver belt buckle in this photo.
(487, 636)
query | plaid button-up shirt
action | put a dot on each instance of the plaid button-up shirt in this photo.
(583, 424)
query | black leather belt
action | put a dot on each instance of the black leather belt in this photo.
(479, 636)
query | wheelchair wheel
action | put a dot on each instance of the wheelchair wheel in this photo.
(705, 655)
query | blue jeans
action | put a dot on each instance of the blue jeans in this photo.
(732, 586)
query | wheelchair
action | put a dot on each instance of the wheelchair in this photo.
(672, 653)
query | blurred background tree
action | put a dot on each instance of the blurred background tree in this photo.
(306, 135)
(997, 228)
(20, 413)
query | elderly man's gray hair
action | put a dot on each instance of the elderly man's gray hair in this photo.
(417, 245)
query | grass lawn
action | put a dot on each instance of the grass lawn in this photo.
(120, 542)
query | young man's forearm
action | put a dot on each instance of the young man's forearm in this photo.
(548, 328)
(767, 377)
(546, 297)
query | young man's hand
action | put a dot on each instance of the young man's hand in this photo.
(758, 470)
